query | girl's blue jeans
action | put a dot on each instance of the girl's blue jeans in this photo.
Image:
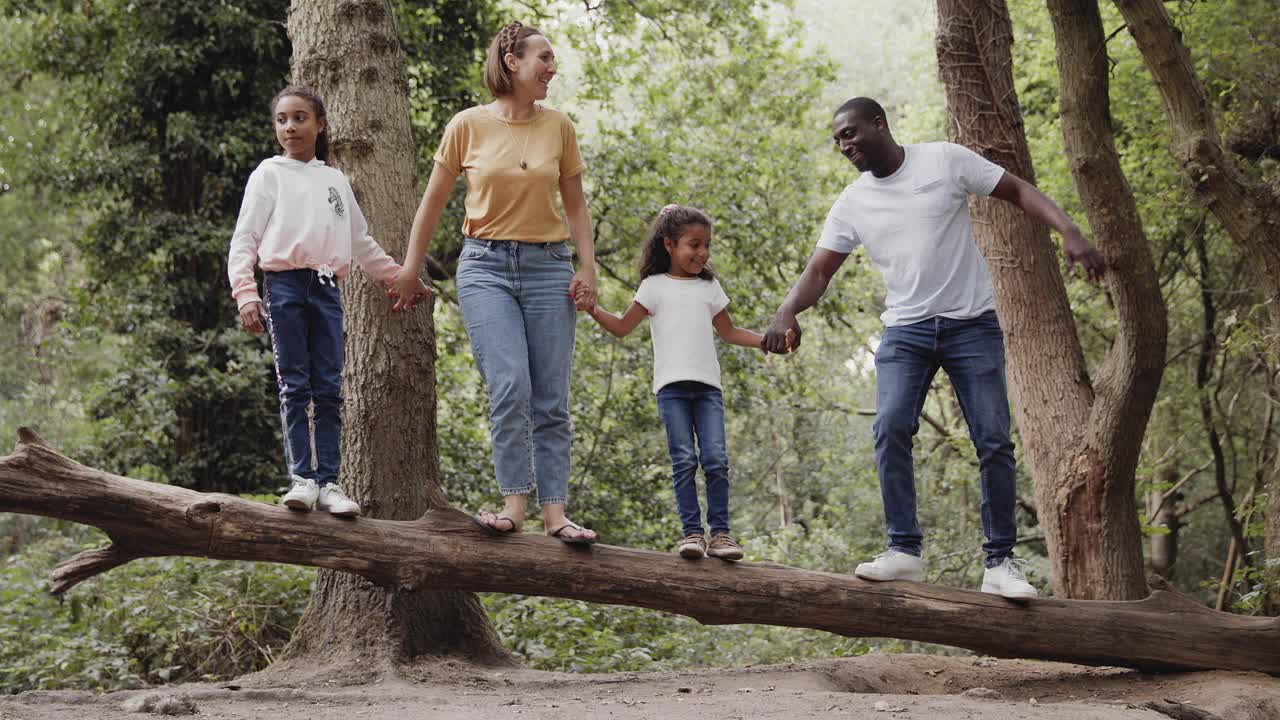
(521, 321)
(304, 317)
(694, 411)
(971, 351)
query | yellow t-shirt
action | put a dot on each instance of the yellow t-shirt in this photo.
(505, 202)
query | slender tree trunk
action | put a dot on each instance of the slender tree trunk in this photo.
(1248, 210)
(1163, 512)
(1272, 574)
(1082, 443)
(349, 52)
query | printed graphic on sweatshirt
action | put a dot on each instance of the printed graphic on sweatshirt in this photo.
(336, 201)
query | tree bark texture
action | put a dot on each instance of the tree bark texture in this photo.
(444, 549)
(1248, 210)
(1126, 385)
(1082, 442)
(349, 52)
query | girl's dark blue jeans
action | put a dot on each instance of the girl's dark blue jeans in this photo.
(693, 413)
(304, 317)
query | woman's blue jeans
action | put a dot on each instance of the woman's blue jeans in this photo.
(971, 351)
(692, 411)
(304, 317)
(521, 321)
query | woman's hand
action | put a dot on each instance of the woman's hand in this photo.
(582, 288)
(407, 290)
(251, 318)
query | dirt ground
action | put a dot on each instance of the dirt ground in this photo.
(883, 687)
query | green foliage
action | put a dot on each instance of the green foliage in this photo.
(177, 96)
(151, 621)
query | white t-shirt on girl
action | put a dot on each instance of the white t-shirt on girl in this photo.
(680, 310)
(915, 227)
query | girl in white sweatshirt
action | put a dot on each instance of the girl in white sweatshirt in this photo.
(300, 222)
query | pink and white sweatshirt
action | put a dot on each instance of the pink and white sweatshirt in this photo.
(301, 215)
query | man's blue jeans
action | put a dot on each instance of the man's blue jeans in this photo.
(304, 316)
(521, 321)
(690, 410)
(971, 351)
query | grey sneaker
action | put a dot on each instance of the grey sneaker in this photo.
(722, 546)
(692, 546)
(302, 494)
(333, 499)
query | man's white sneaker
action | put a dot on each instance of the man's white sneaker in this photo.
(302, 494)
(1009, 579)
(892, 565)
(333, 499)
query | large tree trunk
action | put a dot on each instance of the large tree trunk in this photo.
(349, 52)
(1081, 442)
(444, 549)
(1249, 211)
(1126, 384)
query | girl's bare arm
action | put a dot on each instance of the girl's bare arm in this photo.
(619, 326)
(731, 334)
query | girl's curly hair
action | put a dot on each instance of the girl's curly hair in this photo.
(670, 225)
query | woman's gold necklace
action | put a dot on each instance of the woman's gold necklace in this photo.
(523, 165)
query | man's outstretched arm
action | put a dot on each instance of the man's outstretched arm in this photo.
(1014, 189)
(783, 334)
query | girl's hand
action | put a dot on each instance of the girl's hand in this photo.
(582, 288)
(407, 290)
(251, 318)
(421, 293)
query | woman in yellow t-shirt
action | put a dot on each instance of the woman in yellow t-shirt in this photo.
(516, 282)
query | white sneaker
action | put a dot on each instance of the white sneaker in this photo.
(892, 565)
(333, 499)
(302, 494)
(1009, 579)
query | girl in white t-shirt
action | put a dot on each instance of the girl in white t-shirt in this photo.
(300, 222)
(681, 294)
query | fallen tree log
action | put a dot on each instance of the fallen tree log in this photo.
(444, 550)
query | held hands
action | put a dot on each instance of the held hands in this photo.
(582, 288)
(407, 290)
(251, 318)
(783, 336)
(1078, 250)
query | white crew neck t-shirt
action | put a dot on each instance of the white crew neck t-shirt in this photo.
(680, 313)
(915, 227)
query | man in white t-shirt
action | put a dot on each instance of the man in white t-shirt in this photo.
(909, 209)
